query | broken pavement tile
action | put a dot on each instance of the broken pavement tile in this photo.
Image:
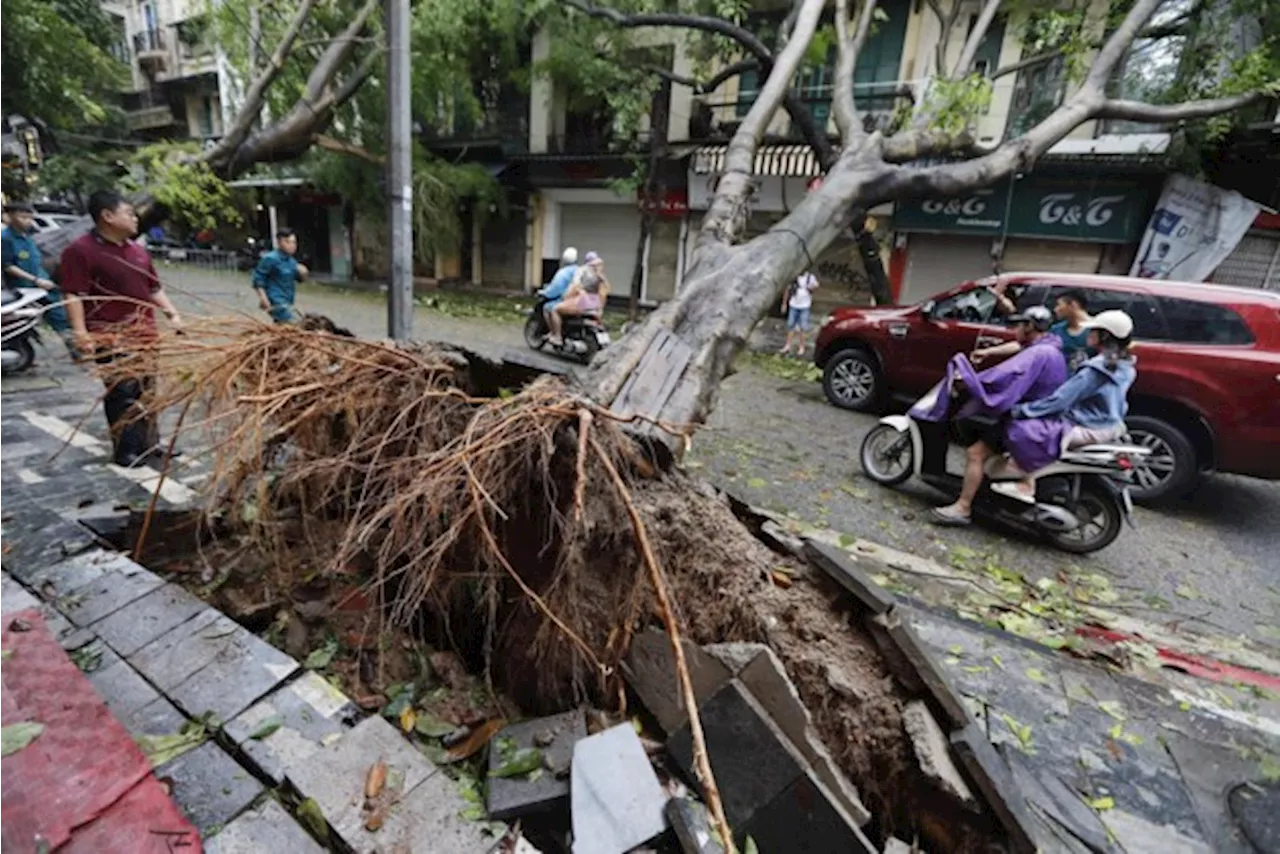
(1058, 803)
(933, 752)
(843, 568)
(804, 817)
(650, 671)
(692, 826)
(267, 828)
(125, 583)
(147, 618)
(209, 786)
(910, 660)
(1256, 808)
(991, 776)
(616, 800)
(512, 797)
(311, 713)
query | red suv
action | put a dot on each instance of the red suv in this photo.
(1208, 390)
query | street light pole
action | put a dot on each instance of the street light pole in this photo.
(399, 173)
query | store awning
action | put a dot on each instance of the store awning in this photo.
(795, 161)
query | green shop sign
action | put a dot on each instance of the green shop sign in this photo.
(1106, 210)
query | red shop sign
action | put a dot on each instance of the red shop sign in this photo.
(670, 203)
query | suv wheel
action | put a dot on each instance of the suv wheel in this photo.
(1171, 469)
(853, 380)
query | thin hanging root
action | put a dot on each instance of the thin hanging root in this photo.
(700, 759)
(580, 471)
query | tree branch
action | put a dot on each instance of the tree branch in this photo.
(1117, 45)
(701, 88)
(339, 146)
(337, 53)
(1023, 64)
(256, 96)
(946, 24)
(970, 50)
(849, 46)
(1137, 111)
(727, 214)
(907, 146)
(742, 36)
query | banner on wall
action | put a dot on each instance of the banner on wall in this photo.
(1192, 230)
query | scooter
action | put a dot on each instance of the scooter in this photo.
(1081, 500)
(20, 312)
(584, 334)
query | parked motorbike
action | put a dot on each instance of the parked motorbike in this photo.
(1081, 500)
(20, 309)
(584, 334)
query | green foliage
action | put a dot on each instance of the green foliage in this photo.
(193, 195)
(956, 104)
(56, 67)
(75, 173)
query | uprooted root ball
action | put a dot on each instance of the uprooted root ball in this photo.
(504, 522)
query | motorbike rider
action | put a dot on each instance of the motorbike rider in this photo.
(555, 290)
(1088, 409)
(1035, 372)
(586, 295)
(24, 267)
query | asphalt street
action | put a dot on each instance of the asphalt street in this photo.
(1213, 559)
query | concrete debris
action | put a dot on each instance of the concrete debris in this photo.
(515, 796)
(651, 672)
(616, 800)
(933, 753)
(692, 825)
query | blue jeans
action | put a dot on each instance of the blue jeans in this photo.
(798, 318)
(283, 313)
(56, 313)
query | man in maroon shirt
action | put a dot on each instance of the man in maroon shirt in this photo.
(112, 290)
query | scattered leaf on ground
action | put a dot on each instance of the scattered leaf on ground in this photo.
(1186, 591)
(310, 814)
(846, 540)
(432, 726)
(997, 661)
(1113, 708)
(749, 847)
(87, 658)
(781, 579)
(320, 657)
(408, 719)
(1020, 730)
(5, 655)
(1035, 674)
(756, 482)
(267, 727)
(375, 779)
(160, 749)
(17, 736)
(478, 738)
(523, 761)
(1104, 803)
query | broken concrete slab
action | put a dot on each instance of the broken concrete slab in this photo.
(736, 655)
(616, 800)
(1255, 806)
(1209, 770)
(991, 777)
(1054, 802)
(1137, 835)
(692, 826)
(766, 678)
(209, 786)
(757, 768)
(511, 797)
(428, 804)
(307, 714)
(147, 618)
(844, 569)
(910, 660)
(804, 819)
(651, 672)
(933, 752)
(125, 583)
(264, 828)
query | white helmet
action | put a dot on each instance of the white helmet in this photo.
(1116, 323)
(570, 256)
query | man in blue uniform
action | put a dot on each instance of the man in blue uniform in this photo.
(276, 277)
(24, 268)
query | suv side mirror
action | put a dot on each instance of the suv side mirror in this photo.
(926, 310)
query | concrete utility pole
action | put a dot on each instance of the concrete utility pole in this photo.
(399, 174)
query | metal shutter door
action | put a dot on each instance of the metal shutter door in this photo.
(937, 262)
(502, 243)
(610, 230)
(1254, 263)
(1022, 255)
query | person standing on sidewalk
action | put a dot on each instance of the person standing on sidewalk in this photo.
(24, 268)
(112, 292)
(276, 278)
(798, 306)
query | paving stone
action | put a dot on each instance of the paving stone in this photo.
(171, 658)
(1055, 802)
(1209, 770)
(240, 673)
(692, 826)
(736, 655)
(511, 797)
(1256, 808)
(766, 678)
(147, 618)
(63, 579)
(267, 828)
(803, 819)
(108, 594)
(34, 550)
(122, 688)
(11, 452)
(159, 717)
(933, 753)
(991, 777)
(14, 597)
(311, 712)
(1135, 835)
(843, 568)
(69, 637)
(209, 786)
(616, 800)
(910, 660)
(651, 673)
(428, 808)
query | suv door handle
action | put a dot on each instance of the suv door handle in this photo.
(989, 341)
(898, 330)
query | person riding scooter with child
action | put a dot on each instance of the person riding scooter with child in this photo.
(1088, 409)
(1035, 372)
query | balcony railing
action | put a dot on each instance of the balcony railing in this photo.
(878, 107)
(510, 127)
(149, 41)
(150, 118)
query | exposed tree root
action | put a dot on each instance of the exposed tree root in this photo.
(526, 523)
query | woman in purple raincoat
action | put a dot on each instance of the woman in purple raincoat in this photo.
(1035, 372)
